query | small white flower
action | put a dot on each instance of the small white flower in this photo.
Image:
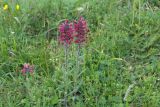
(80, 9)
(12, 32)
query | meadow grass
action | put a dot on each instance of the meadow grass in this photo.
(119, 64)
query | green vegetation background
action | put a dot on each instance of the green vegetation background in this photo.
(123, 50)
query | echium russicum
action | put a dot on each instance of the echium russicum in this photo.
(27, 68)
(80, 36)
(66, 31)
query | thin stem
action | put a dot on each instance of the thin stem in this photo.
(65, 73)
(66, 58)
(78, 69)
(139, 12)
(78, 59)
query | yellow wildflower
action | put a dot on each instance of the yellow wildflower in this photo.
(5, 7)
(17, 7)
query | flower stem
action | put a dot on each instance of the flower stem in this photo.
(77, 70)
(78, 59)
(65, 74)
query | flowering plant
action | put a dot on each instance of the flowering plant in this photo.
(27, 68)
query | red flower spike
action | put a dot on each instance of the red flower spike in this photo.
(81, 30)
(66, 33)
(27, 68)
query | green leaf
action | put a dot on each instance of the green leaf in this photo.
(54, 100)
